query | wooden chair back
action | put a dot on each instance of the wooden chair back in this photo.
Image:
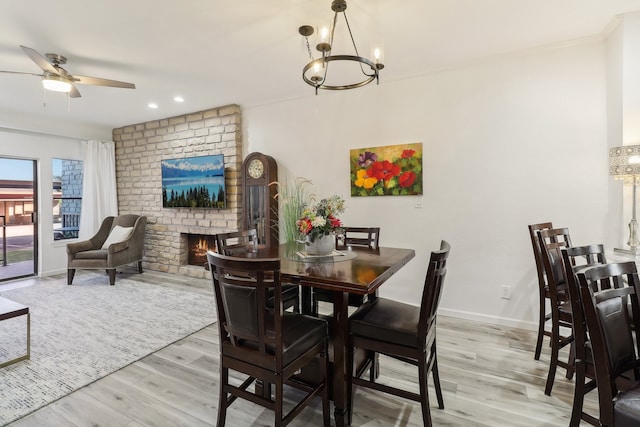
(241, 288)
(551, 242)
(612, 311)
(537, 251)
(432, 290)
(577, 259)
(360, 236)
(236, 242)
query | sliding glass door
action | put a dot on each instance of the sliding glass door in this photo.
(18, 214)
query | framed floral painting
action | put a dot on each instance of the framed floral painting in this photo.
(391, 170)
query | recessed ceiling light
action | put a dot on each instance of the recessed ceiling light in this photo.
(178, 99)
(152, 105)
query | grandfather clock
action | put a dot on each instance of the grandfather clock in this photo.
(260, 205)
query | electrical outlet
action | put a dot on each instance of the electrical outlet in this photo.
(419, 202)
(506, 292)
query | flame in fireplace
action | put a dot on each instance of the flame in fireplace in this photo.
(198, 245)
(201, 247)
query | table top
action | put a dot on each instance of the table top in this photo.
(360, 270)
(9, 309)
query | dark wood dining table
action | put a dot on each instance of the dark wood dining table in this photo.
(349, 270)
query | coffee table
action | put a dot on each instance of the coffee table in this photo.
(9, 310)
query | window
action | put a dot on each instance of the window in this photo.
(67, 198)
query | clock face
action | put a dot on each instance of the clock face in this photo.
(255, 169)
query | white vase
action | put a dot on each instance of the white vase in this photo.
(322, 245)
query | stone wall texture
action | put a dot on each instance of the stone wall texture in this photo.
(139, 150)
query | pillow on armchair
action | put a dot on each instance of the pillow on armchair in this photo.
(117, 235)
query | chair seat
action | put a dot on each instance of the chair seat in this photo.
(299, 333)
(626, 407)
(387, 320)
(93, 254)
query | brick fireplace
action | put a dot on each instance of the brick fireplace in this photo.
(139, 150)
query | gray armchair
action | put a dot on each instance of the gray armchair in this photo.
(119, 241)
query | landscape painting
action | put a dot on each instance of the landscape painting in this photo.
(194, 182)
(391, 170)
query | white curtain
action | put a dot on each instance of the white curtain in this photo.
(99, 194)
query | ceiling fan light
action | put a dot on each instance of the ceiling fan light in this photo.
(56, 83)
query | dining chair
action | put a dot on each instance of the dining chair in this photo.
(267, 345)
(543, 288)
(612, 314)
(243, 241)
(551, 242)
(359, 236)
(405, 332)
(577, 259)
(368, 237)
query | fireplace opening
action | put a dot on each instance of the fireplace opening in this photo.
(197, 247)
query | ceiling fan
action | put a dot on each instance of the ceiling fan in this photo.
(57, 79)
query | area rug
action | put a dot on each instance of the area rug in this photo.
(83, 332)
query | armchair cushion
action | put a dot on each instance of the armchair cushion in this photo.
(118, 234)
(99, 254)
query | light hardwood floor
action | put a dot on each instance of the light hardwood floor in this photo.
(488, 373)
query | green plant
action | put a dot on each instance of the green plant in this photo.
(293, 197)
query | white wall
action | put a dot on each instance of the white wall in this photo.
(43, 148)
(615, 65)
(507, 142)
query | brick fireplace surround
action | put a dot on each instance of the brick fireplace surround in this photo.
(139, 151)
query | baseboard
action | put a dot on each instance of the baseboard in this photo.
(493, 320)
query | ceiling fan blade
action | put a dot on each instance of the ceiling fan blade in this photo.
(40, 60)
(74, 93)
(96, 81)
(20, 72)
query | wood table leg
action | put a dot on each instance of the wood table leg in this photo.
(340, 371)
(306, 300)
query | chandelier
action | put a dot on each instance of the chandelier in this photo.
(316, 72)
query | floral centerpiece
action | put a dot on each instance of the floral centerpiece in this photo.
(321, 219)
(302, 220)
